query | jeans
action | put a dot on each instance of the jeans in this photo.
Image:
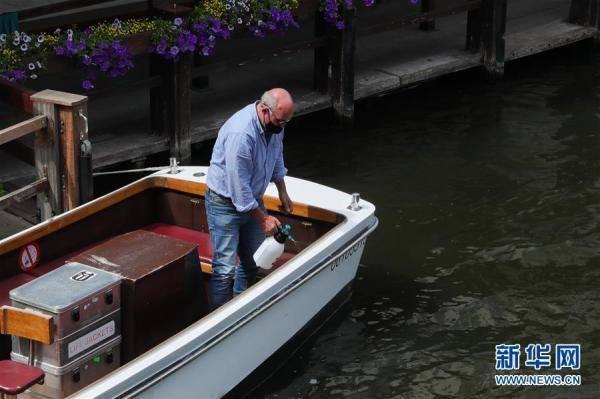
(231, 233)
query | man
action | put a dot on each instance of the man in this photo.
(247, 155)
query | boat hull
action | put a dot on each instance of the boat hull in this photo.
(214, 368)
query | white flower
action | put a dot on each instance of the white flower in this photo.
(39, 64)
(33, 76)
(26, 38)
(24, 47)
(31, 66)
(41, 38)
(3, 37)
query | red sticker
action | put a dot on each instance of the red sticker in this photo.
(29, 257)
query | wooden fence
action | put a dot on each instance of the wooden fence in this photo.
(59, 125)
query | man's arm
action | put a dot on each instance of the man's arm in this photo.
(286, 202)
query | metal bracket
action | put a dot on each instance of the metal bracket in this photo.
(83, 134)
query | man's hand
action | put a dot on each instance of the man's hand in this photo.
(286, 202)
(268, 223)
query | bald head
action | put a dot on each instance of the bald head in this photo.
(280, 101)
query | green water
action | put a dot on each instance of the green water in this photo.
(489, 202)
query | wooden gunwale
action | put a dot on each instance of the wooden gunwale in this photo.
(196, 188)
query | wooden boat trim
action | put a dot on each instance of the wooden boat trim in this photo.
(196, 188)
(27, 324)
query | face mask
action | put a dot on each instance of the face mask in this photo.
(273, 129)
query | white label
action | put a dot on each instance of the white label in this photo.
(92, 338)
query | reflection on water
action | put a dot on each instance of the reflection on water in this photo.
(489, 201)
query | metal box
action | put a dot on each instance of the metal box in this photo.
(162, 286)
(72, 347)
(61, 382)
(81, 299)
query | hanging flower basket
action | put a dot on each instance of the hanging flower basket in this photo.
(108, 48)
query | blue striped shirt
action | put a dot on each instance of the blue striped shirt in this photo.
(243, 162)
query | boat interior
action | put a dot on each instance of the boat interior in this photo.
(156, 226)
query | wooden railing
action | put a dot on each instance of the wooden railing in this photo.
(35, 124)
(59, 127)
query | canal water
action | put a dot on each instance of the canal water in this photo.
(488, 196)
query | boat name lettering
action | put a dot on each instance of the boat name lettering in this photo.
(349, 252)
(92, 338)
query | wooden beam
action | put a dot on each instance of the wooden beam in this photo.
(23, 193)
(58, 98)
(474, 25)
(35, 12)
(22, 129)
(27, 324)
(47, 160)
(84, 17)
(72, 126)
(428, 16)
(342, 69)
(584, 12)
(18, 95)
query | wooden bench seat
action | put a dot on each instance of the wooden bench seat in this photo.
(202, 239)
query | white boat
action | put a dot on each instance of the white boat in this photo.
(223, 352)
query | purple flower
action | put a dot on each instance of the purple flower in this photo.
(87, 85)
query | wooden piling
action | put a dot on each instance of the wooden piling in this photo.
(493, 14)
(342, 68)
(474, 25)
(170, 104)
(584, 12)
(179, 111)
(57, 149)
(427, 6)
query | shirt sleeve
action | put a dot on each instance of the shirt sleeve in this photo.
(239, 161)
(279, 171)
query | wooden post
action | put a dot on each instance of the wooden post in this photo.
(584, 12)
(342, 69)
(494, 27)
(170, 104)
(179, 109)
(427, 6)
(57, 149)
(474, 25)
(321, 56)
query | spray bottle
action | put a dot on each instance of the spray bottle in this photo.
(272, 248)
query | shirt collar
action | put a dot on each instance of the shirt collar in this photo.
(255, 120)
